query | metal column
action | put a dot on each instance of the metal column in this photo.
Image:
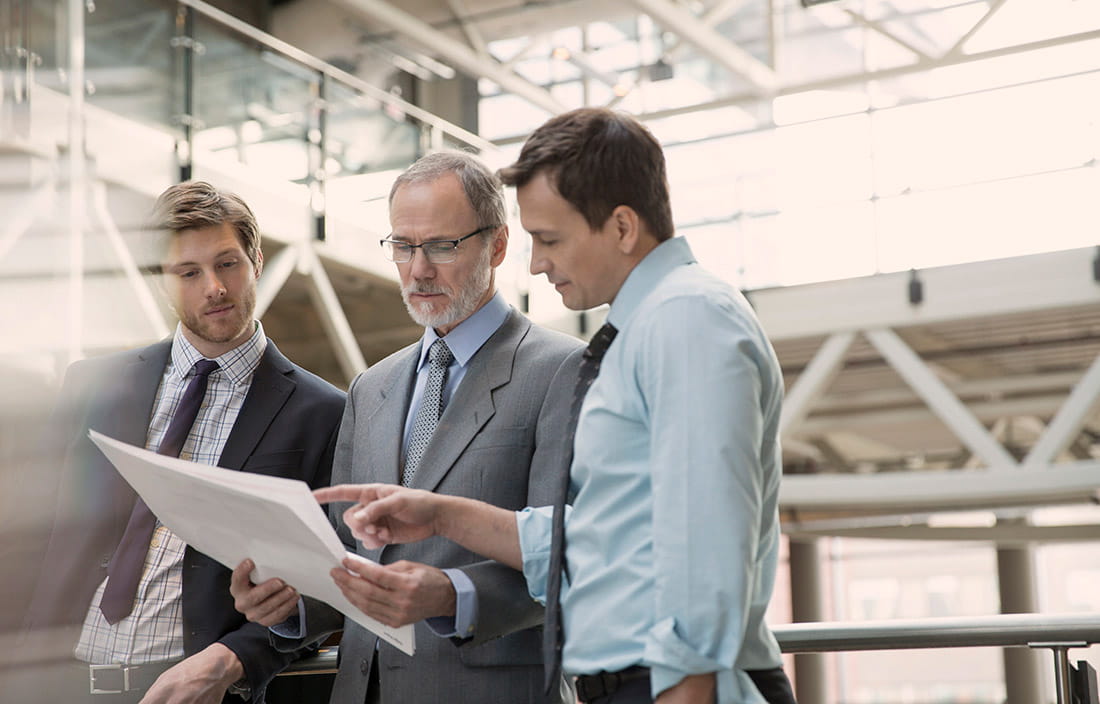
(807, 605)
(1016, 577)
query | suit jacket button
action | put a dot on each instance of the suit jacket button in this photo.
(364, 666)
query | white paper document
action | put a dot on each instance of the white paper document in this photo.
(231, 515)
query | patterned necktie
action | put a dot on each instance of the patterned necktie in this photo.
(431, 408)
(553, 635)
(124, 569)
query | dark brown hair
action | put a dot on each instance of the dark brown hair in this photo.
(599, 159)
(195, 205)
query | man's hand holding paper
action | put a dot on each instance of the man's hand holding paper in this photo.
(237, 516)
(267, 603)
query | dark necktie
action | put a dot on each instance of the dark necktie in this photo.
(124, 569)
(431, 408)
(553, 635)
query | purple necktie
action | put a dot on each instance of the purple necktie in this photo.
(553, 635)
(124, 569)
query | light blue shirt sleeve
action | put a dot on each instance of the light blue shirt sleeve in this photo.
(534, 526)
(464, 623)
(705, 434)
(294, 626)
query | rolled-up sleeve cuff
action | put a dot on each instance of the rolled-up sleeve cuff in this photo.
(464, 622)
(534, 526)
(671, 659)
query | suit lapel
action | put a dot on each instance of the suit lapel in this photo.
(130, 415)
(270, 390)
(385, 425)
(125, 416)
(472, 405)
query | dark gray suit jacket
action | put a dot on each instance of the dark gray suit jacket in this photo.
(286, 427)
(502, 439)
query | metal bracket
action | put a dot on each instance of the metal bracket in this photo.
(187, 43)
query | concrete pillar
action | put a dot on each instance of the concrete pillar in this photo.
(1016, 578)
(807, 604)
(454, 100)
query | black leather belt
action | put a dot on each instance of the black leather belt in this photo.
(117, 679)
(602, 684)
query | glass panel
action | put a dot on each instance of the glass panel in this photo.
(129, 60)
(48, 38)
(363, 136)
(251, 105)
(367, 145)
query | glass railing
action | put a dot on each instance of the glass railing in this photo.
(191, 92)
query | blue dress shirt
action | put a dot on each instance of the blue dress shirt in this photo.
(673, 532)
(464, 341)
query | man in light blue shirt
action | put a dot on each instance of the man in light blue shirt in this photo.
(474, 409)
(672, 538)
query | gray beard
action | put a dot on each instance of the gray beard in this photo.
(463, 302)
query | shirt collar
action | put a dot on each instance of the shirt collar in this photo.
(237, 364)
(469, 335)
(668, 255)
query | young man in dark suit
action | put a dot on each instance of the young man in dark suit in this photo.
(140, 613)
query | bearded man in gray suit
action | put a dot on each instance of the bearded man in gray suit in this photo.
(476, 408)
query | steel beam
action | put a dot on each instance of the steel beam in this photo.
(867, 419)
(862, 77)
(943, 490)
(134, 276)
(332, 314)
(997, 535)
(962, 291)
(879, 29)
(812, 382)
(938, 397)
(1001, 386)
(956, 49)
(1070, 418)
(277, 270)
(473, 34)
(452, 50)
(710, 42)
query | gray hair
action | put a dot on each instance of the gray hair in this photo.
(483, 189)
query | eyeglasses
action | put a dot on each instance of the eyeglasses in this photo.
(437, 251)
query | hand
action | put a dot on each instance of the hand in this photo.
(398, 594)
(693, 689)
(202, 678)
(385, 513)
(268, 603)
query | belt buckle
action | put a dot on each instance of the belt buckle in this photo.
(94, 672)
(601, 684)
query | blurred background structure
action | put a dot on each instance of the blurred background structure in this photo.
(907, 190)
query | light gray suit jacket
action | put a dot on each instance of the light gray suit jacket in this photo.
(501, 439)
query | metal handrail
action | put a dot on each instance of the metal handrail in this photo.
(1006, 630)
(1057, 632)
(356, 84)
